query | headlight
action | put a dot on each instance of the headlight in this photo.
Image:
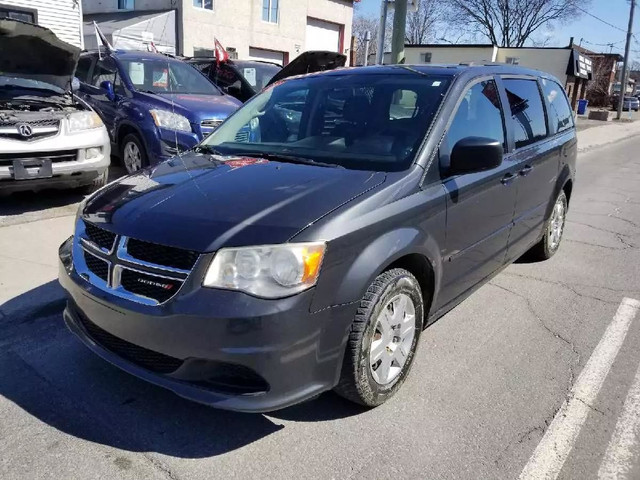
(170, 120)
(269, 271)
(79, 121)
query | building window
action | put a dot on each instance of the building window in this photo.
(206, 4)
(18, 14)
(270, 11)
(203, 52)
(126, 4)
(425, 57)
(513, 60)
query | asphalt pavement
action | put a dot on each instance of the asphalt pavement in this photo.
(538, 369)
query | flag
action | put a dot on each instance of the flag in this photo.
(221, 54)
(152, 47)
(101, 39)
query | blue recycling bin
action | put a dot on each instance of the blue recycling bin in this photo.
(582, 106)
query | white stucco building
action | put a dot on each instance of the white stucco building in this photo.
(274, 30)
(63, 17)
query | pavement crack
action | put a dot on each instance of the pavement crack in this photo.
(571, 287)
(567, 342)
(591, 407)
(598, 245)
(609, 215)
(600, 229)
(163, 468)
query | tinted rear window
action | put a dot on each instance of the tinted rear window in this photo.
(560, 112)
(527, 111)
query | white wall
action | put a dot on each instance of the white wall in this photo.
(63, 17)
(549, 60)
(239, 24)
(453, 54)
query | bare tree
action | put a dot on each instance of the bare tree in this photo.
(371, 23)
(423, 23)
(510, 23)
(598, 88)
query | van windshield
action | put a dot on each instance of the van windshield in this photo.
(360, 121)
(167, 76)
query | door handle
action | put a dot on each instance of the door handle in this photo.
(526, 170)
(508, 178)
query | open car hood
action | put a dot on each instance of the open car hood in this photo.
(310, 62)
(34, 52)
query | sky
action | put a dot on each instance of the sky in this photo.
(592, 31)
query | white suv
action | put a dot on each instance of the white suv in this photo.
(49, 138)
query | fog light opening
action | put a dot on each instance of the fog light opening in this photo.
(93, 152)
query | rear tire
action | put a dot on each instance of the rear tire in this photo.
(98, 183)
(383, 339)
(553, 230)
(133, 154)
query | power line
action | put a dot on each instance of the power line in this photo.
(600, 20)
(607, 44)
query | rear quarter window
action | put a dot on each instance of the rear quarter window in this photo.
(560, 112)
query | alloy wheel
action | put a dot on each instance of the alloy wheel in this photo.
(132, 157)
(556, 225)
(392, 339)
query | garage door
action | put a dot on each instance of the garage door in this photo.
(322, 35)
(266, 55)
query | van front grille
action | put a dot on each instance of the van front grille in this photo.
(148, 359)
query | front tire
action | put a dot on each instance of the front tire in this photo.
(383, 339)
(554, 228)
(133, 154)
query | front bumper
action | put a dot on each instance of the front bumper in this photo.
(230, 350)
(75, 172)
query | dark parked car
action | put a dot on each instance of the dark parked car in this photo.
(628, 103)
(154, 106)
(310, 255)
(244, 78)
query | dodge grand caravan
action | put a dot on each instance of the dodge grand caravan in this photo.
(257, 272)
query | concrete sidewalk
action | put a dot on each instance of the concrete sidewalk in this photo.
(608, 132)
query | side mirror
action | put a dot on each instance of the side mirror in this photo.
(475, 154)
(75, 84)
(107, 86)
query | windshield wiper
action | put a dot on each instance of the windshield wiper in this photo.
(207, 149)
(289, 159)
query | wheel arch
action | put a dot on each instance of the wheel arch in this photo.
(408, 248)
(124, 129)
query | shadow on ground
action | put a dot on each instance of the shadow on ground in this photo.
(23, 202)
(48, 373)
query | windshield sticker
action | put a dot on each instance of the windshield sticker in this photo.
(136, 73)
(436, 83)
(161, 78)
(250, 75)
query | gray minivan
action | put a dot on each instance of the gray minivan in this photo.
(308, 241)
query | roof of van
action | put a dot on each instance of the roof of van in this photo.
(474, 69)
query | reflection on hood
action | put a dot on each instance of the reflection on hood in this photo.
(204, 202)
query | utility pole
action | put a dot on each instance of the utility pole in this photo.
(625, 65)
(399, 29)
(367, 41)
(381, 29)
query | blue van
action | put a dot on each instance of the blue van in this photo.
(154, 106)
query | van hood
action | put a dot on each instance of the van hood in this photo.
(200, 106)
(34, 52)
(203, 202)
(310, 62)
